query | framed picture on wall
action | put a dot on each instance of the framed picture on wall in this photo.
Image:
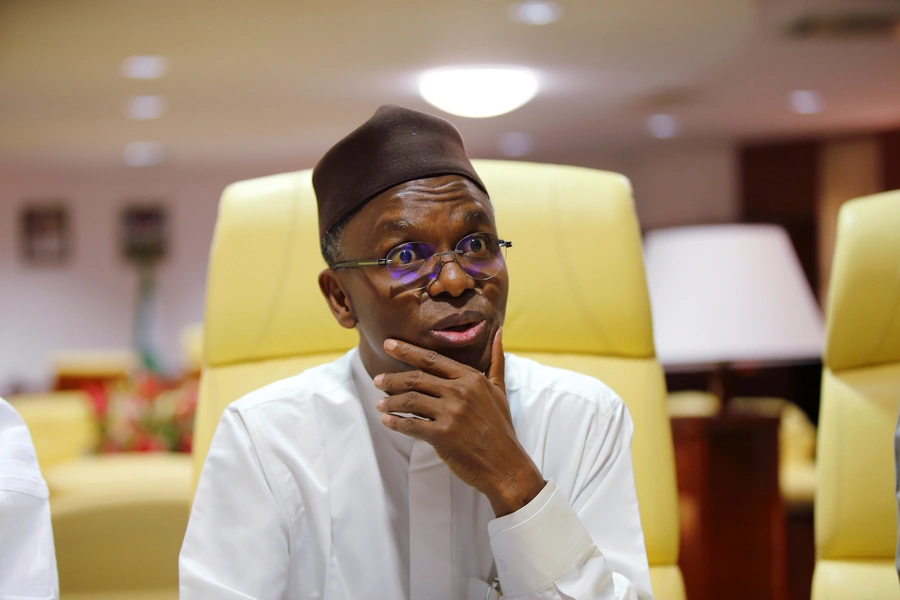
(45, 233)
(144, 233)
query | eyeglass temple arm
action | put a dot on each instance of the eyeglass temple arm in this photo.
(362, 263)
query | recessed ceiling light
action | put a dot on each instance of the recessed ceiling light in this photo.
(535, 12)
(144, 66)
(663, 126)
(143, 154)
(806, 102)
(478, 91)
(145, 107)
(515, 143)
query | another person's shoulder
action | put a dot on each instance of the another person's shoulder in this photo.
(9, 417)
(19, 470)
(539, 383)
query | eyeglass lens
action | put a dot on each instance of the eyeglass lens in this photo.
(416, 264)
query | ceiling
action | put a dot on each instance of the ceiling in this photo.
(280, 81)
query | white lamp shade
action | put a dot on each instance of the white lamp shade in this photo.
(730, 294)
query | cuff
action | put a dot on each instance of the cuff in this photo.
(537, 544)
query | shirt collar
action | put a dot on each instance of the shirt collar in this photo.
(369, 395)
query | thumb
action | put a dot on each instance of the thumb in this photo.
(497, 371)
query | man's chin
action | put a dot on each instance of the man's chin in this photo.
(477, 356)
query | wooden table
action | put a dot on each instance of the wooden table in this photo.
(732, 518)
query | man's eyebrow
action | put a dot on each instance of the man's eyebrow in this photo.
(397, 225)
(475, 215)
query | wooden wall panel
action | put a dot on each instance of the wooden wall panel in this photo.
(890, 159)
(779, 184)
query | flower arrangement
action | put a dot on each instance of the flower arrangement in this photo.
(144, 413)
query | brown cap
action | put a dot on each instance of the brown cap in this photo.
(396, 145)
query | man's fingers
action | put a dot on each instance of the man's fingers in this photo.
(410, 381)
(411, 402)
(497, 371)
(415, 428)
(426, 360)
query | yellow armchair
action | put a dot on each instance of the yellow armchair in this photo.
(578, 300)
(856, 511)
(62, 426)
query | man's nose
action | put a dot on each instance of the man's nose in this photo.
(451, 279)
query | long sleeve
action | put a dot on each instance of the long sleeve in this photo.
(897, 487)
(237, 540)
(27, 557)
(587, 546)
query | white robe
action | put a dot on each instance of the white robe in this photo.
(27, 558)
(305, 494)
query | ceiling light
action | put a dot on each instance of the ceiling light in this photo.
(535, 12)
(806, 102)
(143, 154)
(663, 126)
(478, 92)
(145, 107)
(144, 66)
(515, 143)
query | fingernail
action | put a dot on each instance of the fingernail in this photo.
(378, 379)
(380, 404)
(390, 344)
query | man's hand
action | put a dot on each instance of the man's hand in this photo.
(468, 421)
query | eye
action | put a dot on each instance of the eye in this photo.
(477, 243)
(407, 254)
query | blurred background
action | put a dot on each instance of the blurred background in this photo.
(695, 101)
(121, 122)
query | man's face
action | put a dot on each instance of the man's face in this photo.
(455, 315)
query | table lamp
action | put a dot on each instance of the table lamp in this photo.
(729, 295)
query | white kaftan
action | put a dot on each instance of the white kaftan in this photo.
(27, 558)
(305, 494)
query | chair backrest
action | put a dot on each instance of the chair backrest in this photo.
(578, 300)
(856, 511)
(62, 425)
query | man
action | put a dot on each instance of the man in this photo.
(424, 464)
(27, 557)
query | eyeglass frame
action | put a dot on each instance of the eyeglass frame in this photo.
(384, 262)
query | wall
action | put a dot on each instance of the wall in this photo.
(685, 185)
(89, 302)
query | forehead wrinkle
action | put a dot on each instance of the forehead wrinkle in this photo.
(404, 225)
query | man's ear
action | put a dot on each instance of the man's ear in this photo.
(337, 298)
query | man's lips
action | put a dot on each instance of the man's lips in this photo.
(458, 320)
(460, 335)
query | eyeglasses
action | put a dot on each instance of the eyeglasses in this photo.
(415, 265)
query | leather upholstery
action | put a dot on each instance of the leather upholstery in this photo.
(856, 511)
(61, 424)
(118, 523)
(578, 300)
(863, 318)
